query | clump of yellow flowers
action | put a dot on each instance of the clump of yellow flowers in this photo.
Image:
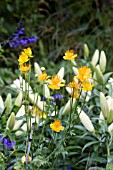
(23, 60)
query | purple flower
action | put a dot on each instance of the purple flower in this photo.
(57, 97)
(8, 143)
(43, 98)
(70, 168)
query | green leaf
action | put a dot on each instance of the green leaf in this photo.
(89, 144)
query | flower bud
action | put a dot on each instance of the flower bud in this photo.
(18, 100)
(61, 73)
(86, 50)
(95, 57)
(37, 69)
(110, 128)
(75, 70)
(102, 61)
(46, 92)
(86, 121)
(11, 121)
(8, 103)
(104, 106)
(110, 104)
(68, 106)
(1, 105)
(20, 113)
(99, 75)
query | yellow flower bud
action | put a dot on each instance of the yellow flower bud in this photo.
(104, 106)
(86, 50)
(95, 57)
(11, 121)
(102, 61)
(86, 121)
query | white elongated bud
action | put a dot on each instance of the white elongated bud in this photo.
(99, 75)
(75, 70)
(19, 114)
(46, 91)
(18, 100)
(1, 105)
(8, 103)
(11, 121)
(95, 57)
(68, 106)
(86, 121)
(86, 50)
(110, 104)
(101, 118)
(104, 106)
(110, 128)
(61, 73)
(37, 69)
(102, 61)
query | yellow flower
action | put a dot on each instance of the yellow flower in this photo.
(55, 82)
(40, 113)
(84, 73)
(87, 86)
(69, 55)
(56, 126)
(23, 159)
(28, 52)
(25, 68)
(23, 58)
(74, 85)
(43, 76)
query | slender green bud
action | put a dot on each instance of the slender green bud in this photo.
(99, 75)
(104, 106)
(110, 128)
(86, 50)
(8, 103)
(95, 57)
(102, 61)
(110, 104)
(18, 100)
(11, 121)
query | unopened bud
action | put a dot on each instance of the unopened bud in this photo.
(8, 103)
(99, 75)
(11, 121)
(1, 105)
(95, 57)
(110, 128)
(102, 61)
(86, 50)
(61, 73)
(23, 159)
(46, 92)
(104, 106)
(37, 69)
(86, 121)
(68, 106)
(18, 100)
(42, 68)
